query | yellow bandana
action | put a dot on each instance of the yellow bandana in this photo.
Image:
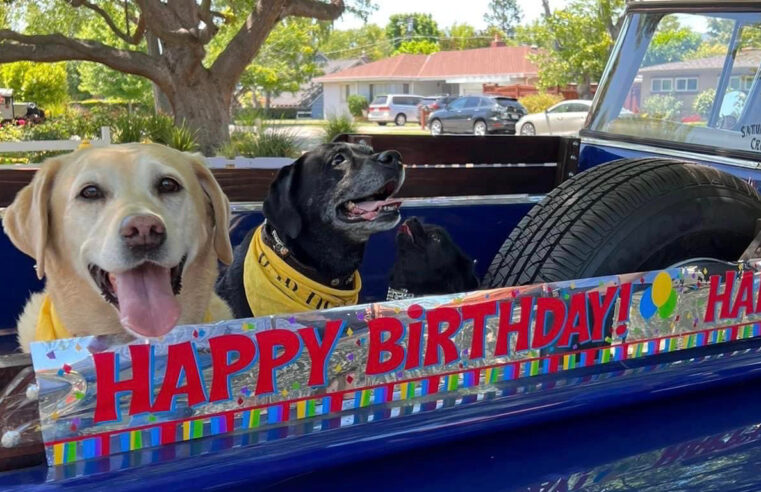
(273, 287)
(50, 327)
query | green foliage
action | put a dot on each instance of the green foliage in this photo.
(671, 43)
(284, 62)
(357, 103)
(704, 102)
(183, 138)
(504, 14)
(160, 128)
(423, 28)
(336, 125)
(249, 116)
(128, 128)
(369, 40)
(707, 50)
(536, 103)
(42, 83)
(662, 107)
(576, 41)
(417, 47)
(270, 142)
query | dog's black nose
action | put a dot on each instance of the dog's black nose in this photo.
(143, 231)
(388, 157)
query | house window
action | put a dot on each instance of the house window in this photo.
(686, 84)
(405, 88)
(747, 83)
(734, 83)
(661, 85)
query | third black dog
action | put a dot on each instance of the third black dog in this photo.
(429, 262)
(320, 212)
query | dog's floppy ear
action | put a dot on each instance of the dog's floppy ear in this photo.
(220, 206)
(280, 204)
(26, 220)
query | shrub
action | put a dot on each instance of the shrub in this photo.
(249, 116)
(182, 138)
(160, 128)
(270, 142)
(128, 128)
(336, 125)
(662, 107)
(704, 102)
(277, 142)
(357, 103)
(11, 133)
(536, 103)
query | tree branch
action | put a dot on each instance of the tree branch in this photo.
(163, 23)
(315, 9)
(134, 39)
(56, 47)
(231, 63)
(244, 46)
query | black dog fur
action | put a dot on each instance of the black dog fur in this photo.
(429, 262)
(306, 208)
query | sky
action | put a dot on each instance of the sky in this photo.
(445, 12)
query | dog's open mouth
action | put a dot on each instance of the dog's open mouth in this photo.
(145, 296)
(379, 204)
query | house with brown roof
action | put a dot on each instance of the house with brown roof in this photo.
(309, 100)
(686, 79)
(446, 72)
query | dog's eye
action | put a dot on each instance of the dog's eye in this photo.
(168, 185)
(91, 192)
(434, 237)
(338, 159)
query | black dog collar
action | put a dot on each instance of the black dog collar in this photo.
(272, 240)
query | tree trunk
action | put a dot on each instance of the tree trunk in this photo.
(201, 105)
(585, 88)
(160, 102)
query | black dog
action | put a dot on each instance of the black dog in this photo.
(320, 212)
(428, 262)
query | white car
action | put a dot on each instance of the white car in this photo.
(564, 118)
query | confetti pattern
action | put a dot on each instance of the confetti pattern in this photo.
(266, 417)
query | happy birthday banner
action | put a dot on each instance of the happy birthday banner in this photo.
(105, 395)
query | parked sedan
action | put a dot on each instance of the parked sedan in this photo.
(478, 115)
(564, 118)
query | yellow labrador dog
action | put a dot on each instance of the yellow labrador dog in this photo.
(128, 237)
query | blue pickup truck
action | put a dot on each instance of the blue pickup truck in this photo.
(666, 170)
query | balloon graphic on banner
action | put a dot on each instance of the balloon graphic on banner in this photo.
(661, 289)
(659, 298)
(646, 307)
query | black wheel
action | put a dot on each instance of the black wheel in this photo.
(382, 123)
(626, 216)
(400, 119)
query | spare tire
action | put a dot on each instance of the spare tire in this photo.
(627, 216)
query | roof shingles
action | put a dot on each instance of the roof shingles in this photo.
(502, 60)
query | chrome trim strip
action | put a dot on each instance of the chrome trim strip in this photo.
(443, 201)
(695, 156)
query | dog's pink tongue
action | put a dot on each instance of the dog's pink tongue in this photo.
(369, 210)
(147, 304)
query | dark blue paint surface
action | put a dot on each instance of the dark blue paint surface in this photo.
(479, 229)
(594, 155)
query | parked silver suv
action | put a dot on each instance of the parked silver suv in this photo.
(399, 108)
